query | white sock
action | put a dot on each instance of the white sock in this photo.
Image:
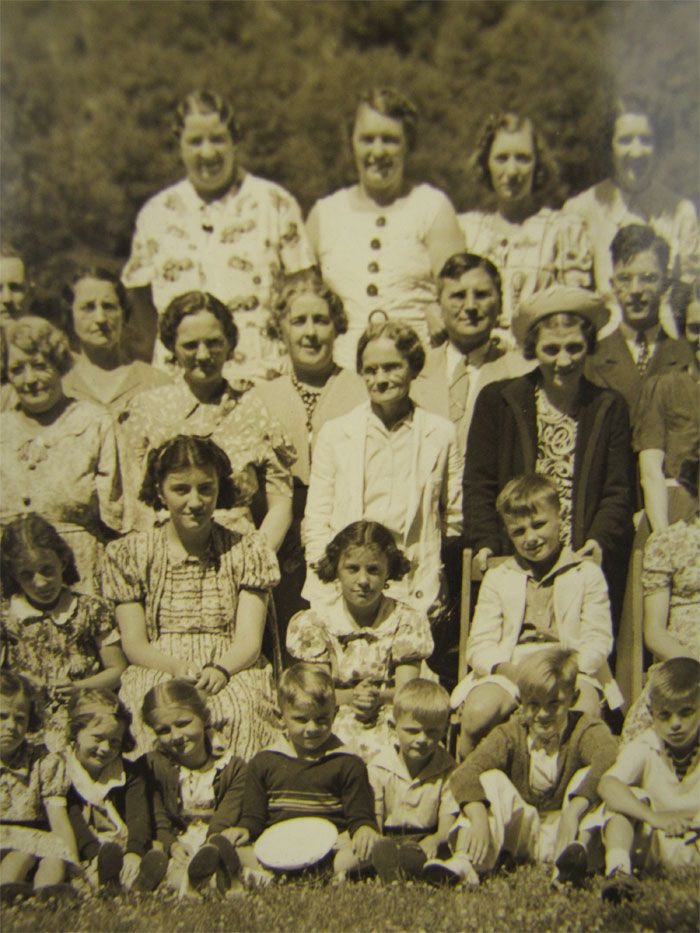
(617, 858)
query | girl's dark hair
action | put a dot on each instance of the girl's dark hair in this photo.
(363, 534)
(102, 275)
(192, 303)
(12, 685)
(588, 332)
(181, 693)
(26, 535)
(179, 453)
(205, 102)
(95, 702)
(545, 174)
(402, 335)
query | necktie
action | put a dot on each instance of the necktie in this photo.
(643, 354)
(459, 390)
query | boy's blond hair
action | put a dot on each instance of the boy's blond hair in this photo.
(521, 495)
(423, 699)
(543, 674)
(305, 682)
(675, 680)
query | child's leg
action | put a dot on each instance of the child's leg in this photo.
(618, 837)
(49, 871)
(14, 867)
(485, 707)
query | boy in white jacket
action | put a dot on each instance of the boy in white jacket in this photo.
(544, 595)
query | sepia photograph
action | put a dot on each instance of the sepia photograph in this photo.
(349, 444)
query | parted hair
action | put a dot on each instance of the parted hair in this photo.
(13, 684)
(181, 452)
(305, 682)
(204, 102)
(425, 700)
(456, 266)
(588, 331)
(192, 303)
(521, 495)
(37, 337)
(675, 680)
(510, 122)
(402, 335)
(85, 706)
(305, 282)
(176, 692)
(392, 103)
(660, 119)
(102, 275)
(543, 674)
(634, 239)
(363, 534)
(23, 537)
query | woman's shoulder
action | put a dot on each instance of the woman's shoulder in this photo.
(273, 191)
(602, 194)
(340, 199)
(172, 199)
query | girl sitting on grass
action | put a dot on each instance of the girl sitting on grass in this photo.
(369, 643)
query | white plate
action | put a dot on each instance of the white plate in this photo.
(295, 844)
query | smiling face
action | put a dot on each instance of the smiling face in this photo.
(386, 372)
(13, 287)
(362, 572)
(40, 574)
(201, 349)
(208, 153)
(181, 734)
(35, 379)
(633, 151)
(470, 307)
(379, 147)
(418, 739)
(561, 351)
(639, 286)
(535, 536)
(190, 496)
(99, 743)
(512, 164)
(676, 722)
(308, 333)
(14, 721)
(98, 318)
(307, 725)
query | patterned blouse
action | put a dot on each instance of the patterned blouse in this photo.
(556, 445)
(32, 776)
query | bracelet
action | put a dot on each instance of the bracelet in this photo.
(220, 668)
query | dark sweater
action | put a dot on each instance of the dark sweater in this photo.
(586, 741)
(281, 786)
(167, 807)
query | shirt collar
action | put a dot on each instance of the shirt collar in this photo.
(567, 558)
(282, 746)
(342, 623)
(95, 791)
(390, 759)
(60, 614)
(376, 423)
(475, 357)
(651, 334)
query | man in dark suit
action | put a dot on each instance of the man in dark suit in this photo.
(639, 347)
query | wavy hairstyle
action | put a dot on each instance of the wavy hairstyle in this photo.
(102, 275)
(545, 174)
(37, 337)
(402, 335)
(192, 303)
(205, 102)
(305, 282)
(392, 103)
(363, 534)
(179, 453)
(25, 536)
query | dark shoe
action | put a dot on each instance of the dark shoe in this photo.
(228, 856)
(152, 870)
(203, 864)
(385, 860)
(619, 887)
(62, 892)
(412, 860)
(450, 871)
(110, 861)
(13, 891)
(572, 865)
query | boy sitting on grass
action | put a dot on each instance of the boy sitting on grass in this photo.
(414, 805)
(652, 792)
(524, 789)
(307, 772)
(545, 594)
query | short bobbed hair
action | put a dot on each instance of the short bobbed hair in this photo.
(305, 282)
(95, 703)
(634, 239)
(363, 534)
(23, 537)
(588, 331)
(175, 693)
(101, 275)
(205, 102)
(306, 683)
(522, 494)
(461, 263)
(192, 303)
(179, 453)
(675, 681)
(544, 674)
(425, 700)
(392, 103)
(545, 173)
(37, 337)
(13, 684)
(402, 335)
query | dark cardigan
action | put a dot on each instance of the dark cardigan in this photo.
(165, 782)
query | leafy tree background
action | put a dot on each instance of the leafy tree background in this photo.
(88, 90)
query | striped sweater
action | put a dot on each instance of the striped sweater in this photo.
(280, 786)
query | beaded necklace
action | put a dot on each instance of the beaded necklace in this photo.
(309, 397)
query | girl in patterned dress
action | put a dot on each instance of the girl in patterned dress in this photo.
(369, 643)
(61, 639)
(33, 819)
(192, 596)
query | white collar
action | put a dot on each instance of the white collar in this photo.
(60, 614)
(95, 791)
(390, 759)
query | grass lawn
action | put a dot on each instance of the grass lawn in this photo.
(523, 900)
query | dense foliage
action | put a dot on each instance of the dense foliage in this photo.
(88, 89)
